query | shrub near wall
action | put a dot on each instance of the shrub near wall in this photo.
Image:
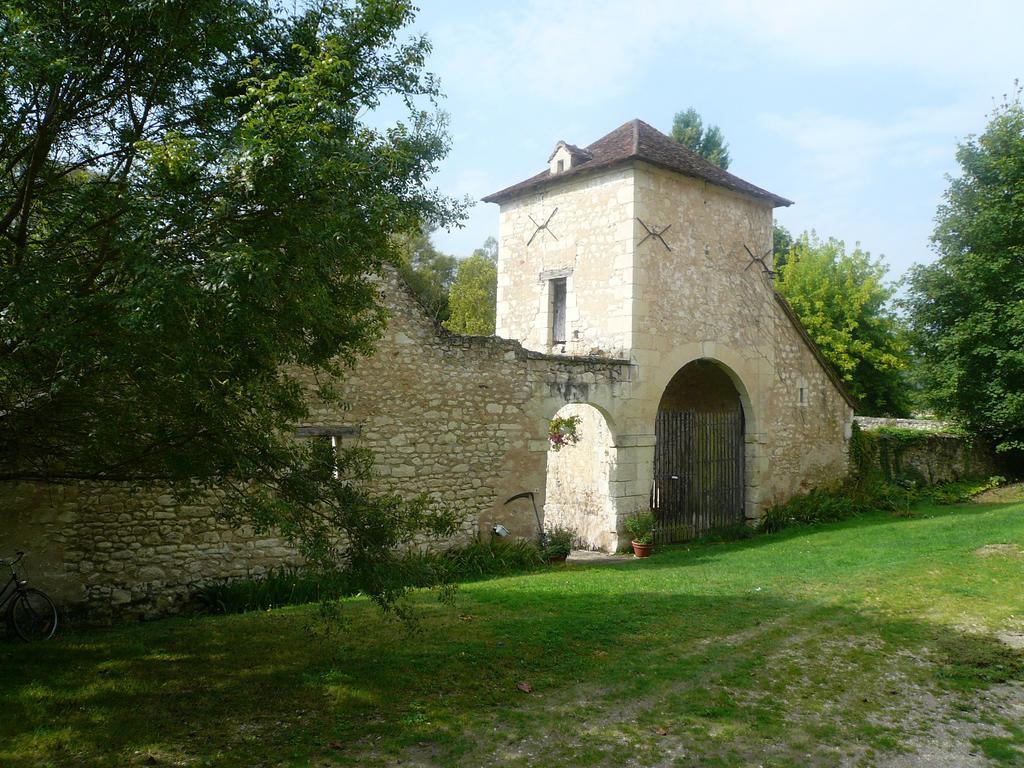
(891, 469)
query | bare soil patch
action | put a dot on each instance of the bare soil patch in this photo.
(1006, 550)
(1006, 494)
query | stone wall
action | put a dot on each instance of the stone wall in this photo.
(925, 425)
(463, 419)
(924, 452)
(111, 549)
(941, 458)
(589, 241)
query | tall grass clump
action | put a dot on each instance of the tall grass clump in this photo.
(823, 505)
(482, 558)
(294, 586)
(286, 585)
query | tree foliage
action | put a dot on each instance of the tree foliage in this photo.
(688, 130)
(844, 303)
(192, 212)
(428, 272)
(782, 244)
(966, 310)
(474, 295)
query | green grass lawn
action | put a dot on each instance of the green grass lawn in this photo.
(862, 643)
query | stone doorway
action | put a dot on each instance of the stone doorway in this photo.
(577, 484)
(699, 463)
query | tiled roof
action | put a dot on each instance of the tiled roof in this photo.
(636, 140)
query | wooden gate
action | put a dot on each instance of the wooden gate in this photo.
(698, 472)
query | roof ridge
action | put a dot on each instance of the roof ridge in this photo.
(637, 140)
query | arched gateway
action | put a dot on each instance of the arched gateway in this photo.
(699, 476)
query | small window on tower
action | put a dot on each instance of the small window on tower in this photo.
(803, 393)
(558, 311)
(561, 166)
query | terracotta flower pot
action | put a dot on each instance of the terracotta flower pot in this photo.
(642, 550)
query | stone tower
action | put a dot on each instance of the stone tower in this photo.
(635, 247)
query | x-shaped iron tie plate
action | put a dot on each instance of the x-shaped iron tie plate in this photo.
(542, 227)
(760, 260)
(655, 233)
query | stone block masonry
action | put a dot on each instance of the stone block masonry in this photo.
(105, 550)
(463, 419)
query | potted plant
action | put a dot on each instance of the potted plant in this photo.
(640, 527)
(558, 543)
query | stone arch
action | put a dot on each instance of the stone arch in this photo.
(705, 446)
(743, 373)
(578, 481)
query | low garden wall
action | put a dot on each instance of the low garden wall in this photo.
(919, 452)
(462, 419)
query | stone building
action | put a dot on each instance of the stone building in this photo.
(634, 247)
(635, 293)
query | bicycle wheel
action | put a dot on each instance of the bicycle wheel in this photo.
(33, 615)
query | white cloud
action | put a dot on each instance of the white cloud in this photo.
(948, 38)
(575, 51)
(590, 51)
(846, 153)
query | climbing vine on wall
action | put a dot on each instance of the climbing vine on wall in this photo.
(878, 454)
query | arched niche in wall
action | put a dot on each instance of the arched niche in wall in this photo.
(577, 485)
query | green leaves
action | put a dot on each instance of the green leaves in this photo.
(193, 211)
(844, 303)
(472, 301)
(428, 272)
(967, 309)
(688, 130)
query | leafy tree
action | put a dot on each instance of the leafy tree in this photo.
(192, 213)
(473, 297)
(688, 130)
(782, 244)
(966, 310)
(843, 302)
(489, 250)
(428, 272)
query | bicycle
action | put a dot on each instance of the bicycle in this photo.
(28, 610)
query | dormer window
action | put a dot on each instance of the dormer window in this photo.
(566, 156)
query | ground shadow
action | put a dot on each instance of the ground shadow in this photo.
(264, 690)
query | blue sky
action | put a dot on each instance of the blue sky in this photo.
(853, 110)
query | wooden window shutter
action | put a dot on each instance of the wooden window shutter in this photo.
(558, 311)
